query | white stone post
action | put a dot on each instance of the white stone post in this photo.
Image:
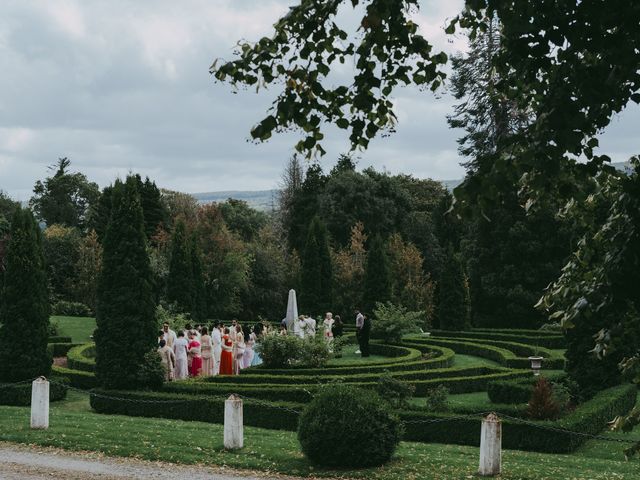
(233, 429)
(40, 403)
(490, 446)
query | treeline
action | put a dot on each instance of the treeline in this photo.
(344, 239)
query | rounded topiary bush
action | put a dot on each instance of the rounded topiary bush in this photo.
(344, 426)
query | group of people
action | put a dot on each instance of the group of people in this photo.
(195, 352)
(306, 326)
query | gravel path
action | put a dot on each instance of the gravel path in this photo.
(37, 463)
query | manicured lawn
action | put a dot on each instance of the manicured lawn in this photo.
(349, 357)
(79, 329)
(471, 361)
(74, 427)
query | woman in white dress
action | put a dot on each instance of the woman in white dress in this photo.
(180, 350)
(216, 337)
(328, 328)
(247, 358)
(239, 350)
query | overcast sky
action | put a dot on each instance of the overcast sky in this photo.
(121, 86)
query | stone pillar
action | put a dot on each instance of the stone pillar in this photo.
(40, 403)
(490, 446)
(233, 428)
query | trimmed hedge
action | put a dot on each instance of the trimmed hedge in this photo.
(590, 417)
(20, 394)
(58, 339)
(501, 355)
(76, 378)
(414, 361)
(60, 349)
(516, 391)
(530, 337)
(82, 357)
(194, 407)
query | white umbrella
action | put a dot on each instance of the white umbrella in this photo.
(292, 309)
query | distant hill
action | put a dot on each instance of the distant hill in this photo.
(265, 200)
(259, 199)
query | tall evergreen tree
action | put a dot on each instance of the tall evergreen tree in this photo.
(377, 275)
(199, 308)
(154, 211)
(316, 284)
(101, 213)
(180, 284)
(453, 295)
(24, 313)
(125, 303)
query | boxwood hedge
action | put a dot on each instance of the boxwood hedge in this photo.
(60, 349)
(19, 394)
(82, 357)
(516, 391)
(58, 339)
(532, 337)
(76, 378)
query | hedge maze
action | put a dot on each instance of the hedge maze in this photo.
(274, 398)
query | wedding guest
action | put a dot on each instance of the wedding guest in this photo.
(216, 336)
(239, 352)
(328, 323)
(310, 326)
(180, 349)
(169, 335)
(160, 337)
(195, 354)
(206, 346)
(364, 336)
(283, 330)
(226, 357)
(168, 359)
(338, 327)
(359, 325)
(250, 341)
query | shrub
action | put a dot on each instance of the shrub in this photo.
(277, 351)
(82, 357)
(71, 309)
(60, 349)
(314, 352)
(542, 405)
(394, 321)
(437, 399)
(20, 394)
(53, 329)
(58, 339)
(395, 391)
(347, 427)
(75, 378)
(518, 390)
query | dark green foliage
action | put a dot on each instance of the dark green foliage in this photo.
(377, 276)
(180, 282)
(153, 209)
(437, 399)
(393, 390)
(24, 313)
(64, 198)
(125, 296)
(531, 337)
(277, 350)
(513, 256)
(542, 405)
(199, 301)
(71, 309)
(76, 378)
(61, 246)
(516, 391)
(7, 207)
(317, 278)
(453, 300)
(101, 213)
(58, 339)
(82, 358)
(20, 395)
(60, 349)
(348, 427)
(303, 207)
(242, 219)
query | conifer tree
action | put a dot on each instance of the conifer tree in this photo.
(125, 306)
(199, 310)
(154, 211)
(180, 284)
(24, 314)
(316, 284)
(453, 296)
(377, 276)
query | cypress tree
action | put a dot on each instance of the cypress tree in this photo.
(453, 296)
(180, 284)
(317, 277)
(199, 311)
(24, 314)
(377, 276)
(154, 212)
(125, 306)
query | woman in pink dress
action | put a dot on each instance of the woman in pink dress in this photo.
(194, 353)
(226, 357)
(207, 353)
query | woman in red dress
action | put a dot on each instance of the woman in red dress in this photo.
(195, 354)
(226, 357)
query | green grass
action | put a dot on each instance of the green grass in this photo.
(471, 361)
(79, 329)
(73, 426)
(349, 357)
